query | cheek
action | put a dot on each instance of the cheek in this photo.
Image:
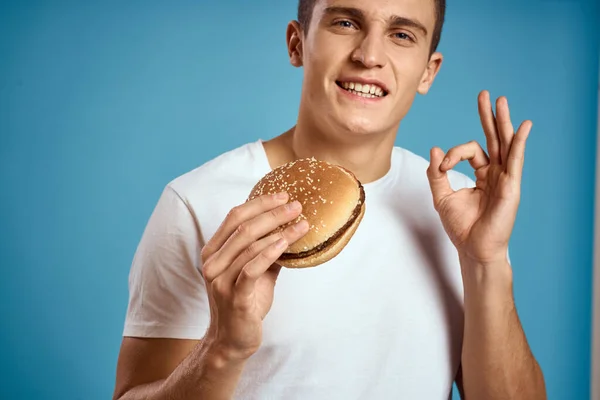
(319, 77)
(313, 69)
(409, 73)
(325, 58)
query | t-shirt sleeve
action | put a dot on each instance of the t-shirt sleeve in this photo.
(167, 293)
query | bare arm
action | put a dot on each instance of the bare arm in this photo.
(497, 362)
(155, 369)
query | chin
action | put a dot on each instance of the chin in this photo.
(361, 126)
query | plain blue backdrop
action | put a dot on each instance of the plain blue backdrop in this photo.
(103, 103)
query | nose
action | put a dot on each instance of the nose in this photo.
(370, 51)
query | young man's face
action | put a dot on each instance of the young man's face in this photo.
(377, 46)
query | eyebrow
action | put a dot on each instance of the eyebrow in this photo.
(408, 22)
(349, 11)
(395, 21)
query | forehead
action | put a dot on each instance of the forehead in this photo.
(383, 10)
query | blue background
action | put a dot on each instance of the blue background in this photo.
(101, 104)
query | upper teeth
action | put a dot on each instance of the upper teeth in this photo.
(373, 90)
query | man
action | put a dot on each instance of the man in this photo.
(420, 298)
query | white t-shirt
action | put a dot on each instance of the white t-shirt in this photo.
(382, 320)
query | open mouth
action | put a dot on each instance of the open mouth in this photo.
(368, 91)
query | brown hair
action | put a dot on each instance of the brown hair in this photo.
(305, 10)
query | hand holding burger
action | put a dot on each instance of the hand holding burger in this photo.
(239, 271)
(299, 215)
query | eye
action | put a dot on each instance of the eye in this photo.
(344, 23)
(403, 36)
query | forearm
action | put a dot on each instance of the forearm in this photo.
(207, 373)
(497, 362)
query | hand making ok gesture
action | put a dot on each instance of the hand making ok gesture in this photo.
(479, 220)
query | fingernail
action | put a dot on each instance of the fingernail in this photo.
(446, 161)
(281, 244)
(281, 196)
(294, 206)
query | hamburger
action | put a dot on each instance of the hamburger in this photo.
(333, 203)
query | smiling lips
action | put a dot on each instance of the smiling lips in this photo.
(364, 90)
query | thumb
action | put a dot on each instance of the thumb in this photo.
(438, 180)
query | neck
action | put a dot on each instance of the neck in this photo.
(368, 158)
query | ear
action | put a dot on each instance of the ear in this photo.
(294, 37)
(433, 67)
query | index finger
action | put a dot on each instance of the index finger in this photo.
(240, 214)
(471, 151)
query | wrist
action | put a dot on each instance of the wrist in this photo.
(221, 356)
(486, 277)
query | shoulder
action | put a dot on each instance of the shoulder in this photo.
(230, 169)
(211, 190)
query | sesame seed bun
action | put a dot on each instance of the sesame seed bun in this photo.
(333, 203)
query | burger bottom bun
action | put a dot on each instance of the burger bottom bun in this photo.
(327, 253)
